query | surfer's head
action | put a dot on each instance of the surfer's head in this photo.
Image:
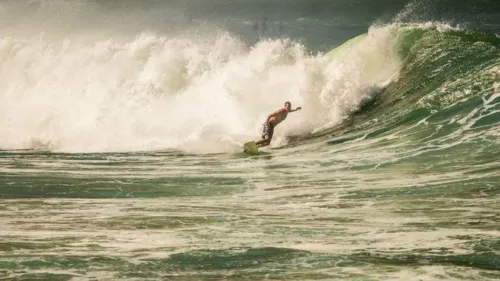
(288, 106)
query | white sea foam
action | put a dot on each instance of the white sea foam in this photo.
(204, 94)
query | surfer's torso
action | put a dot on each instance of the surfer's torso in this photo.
(280, 115)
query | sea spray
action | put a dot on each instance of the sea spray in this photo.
(194, 94)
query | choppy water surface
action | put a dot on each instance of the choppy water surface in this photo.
(317, 213)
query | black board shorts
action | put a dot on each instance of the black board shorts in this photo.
(268, 131)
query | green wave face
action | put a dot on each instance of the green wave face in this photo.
(444, 108)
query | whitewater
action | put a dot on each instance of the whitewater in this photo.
(203, 94)
(122, 124)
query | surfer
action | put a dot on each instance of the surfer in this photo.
(272, 121)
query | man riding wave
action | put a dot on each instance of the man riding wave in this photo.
(272, 121)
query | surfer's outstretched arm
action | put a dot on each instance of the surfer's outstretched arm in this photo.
(297, 109)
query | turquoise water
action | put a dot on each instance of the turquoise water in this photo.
(121, 159)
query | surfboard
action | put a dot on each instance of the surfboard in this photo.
(251, 148)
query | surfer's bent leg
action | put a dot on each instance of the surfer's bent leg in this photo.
(267, 135)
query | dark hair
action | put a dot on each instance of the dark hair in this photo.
(288, 104)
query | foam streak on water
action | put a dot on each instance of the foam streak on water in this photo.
(173, 211)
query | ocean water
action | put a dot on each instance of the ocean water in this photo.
(122, 124)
